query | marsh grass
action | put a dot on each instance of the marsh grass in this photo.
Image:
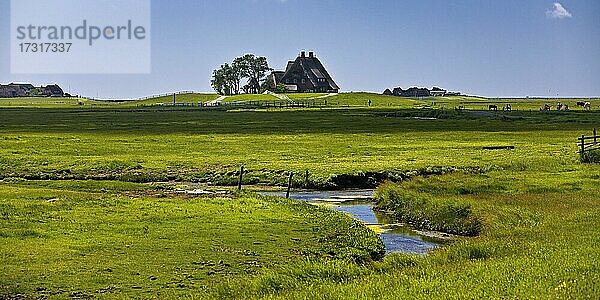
(89, 229)
(85, 241)
(336, 146)
(251, 97)
(427, 212)
(535, 244)
(352, 99)
(591, 157)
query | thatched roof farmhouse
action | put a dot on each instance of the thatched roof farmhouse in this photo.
(306, 74)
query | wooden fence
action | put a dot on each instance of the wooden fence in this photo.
(142, 98)
(167, 94)
(250, 104)
(588, 143)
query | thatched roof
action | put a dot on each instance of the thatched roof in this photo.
(307, 73)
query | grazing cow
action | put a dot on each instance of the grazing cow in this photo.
(559, 106)
(507, 107)
(564, 107)
(587, 106)
(580, 104)
(493, 107)
(546, 107)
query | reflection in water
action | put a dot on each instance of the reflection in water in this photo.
(397, 238)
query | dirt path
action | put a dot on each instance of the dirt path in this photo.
(216, 101)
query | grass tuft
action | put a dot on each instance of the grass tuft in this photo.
(427, 212)
(591, 157)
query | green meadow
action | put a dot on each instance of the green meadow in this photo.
(525, 104)
(89, 201)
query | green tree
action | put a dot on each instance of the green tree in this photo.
(254, 69)
(219, 82)
(35, 92)
(226, 79)
(280, 89)
(268, 85)
(233, 75)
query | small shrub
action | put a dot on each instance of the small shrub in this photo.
(470, 252)
(591, 157)
(25, 233)
(396, 261)
(139, 177)
(428, 212)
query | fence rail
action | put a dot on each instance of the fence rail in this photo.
(167, 94)
(249, 104)
(142, 98)
(588, 143)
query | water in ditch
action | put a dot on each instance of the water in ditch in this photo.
(358, 204)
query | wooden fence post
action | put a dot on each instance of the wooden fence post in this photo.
(595, 136)
(174, 99)
(241, 178)
(289, 187)
(306, 178)
(582, 145)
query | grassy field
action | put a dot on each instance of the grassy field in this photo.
(50, 103)
(516, 104)
(70, 239)
(83, 103)
(245, 97)
(209, 146)
(539, 241)
(82, 212)
(303, 96)
(356, 99)
(186, 98)
(362, 100)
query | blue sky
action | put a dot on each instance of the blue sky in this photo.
(490, 48)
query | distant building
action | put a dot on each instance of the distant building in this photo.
(415, 92)
(14, 90)
(24, 86)
(411, 92)
(305, 75)
(52, 91)
(437, 92)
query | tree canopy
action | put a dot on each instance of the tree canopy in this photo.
(226, 80)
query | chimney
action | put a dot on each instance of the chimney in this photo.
(311, 54)
(302, 54)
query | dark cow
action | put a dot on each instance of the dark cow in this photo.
(493, 107)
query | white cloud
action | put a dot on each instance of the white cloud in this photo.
(558, 12)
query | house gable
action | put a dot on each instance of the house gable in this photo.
(307, 74)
